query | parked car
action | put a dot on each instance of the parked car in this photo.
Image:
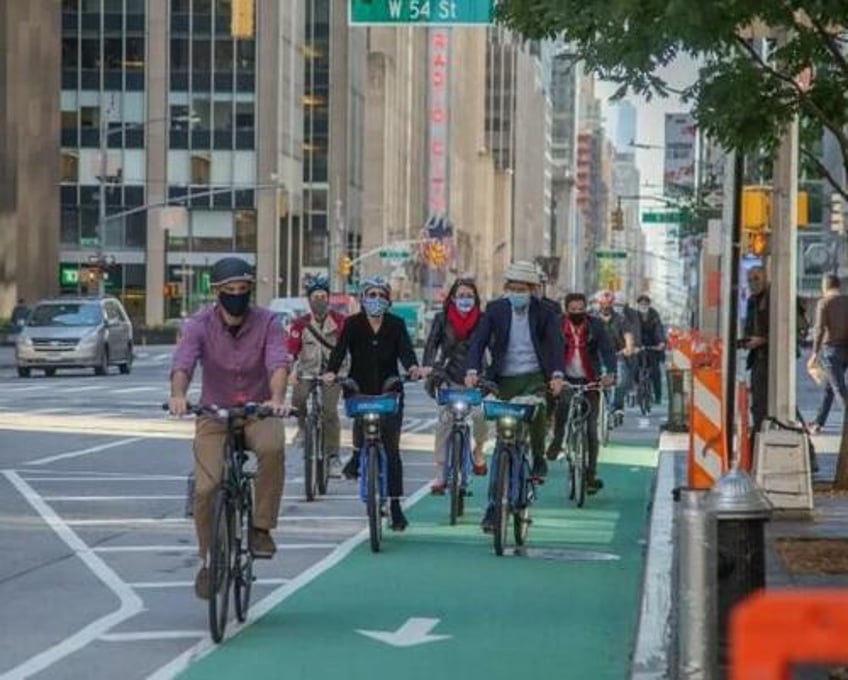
(288, 309)
(75, 333)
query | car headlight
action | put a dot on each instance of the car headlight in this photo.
(24, 341)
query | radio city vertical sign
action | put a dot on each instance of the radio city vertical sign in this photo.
(438, 102)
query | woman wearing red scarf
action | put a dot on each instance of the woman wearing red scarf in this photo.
(445, 350)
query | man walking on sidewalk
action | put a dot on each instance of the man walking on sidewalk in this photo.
(830, 337)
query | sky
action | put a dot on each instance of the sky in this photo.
(650, 123)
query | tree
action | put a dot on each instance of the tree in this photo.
(742, 98)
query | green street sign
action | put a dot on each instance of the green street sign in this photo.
(665, 217)
(68, 276)
(205, 282)
(611, 254)
(394, 254)
(422, 12)
(89, 242)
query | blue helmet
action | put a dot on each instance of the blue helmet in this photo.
(377, 282)
(317, 282)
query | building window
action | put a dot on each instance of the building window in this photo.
(70, 167)
(245, 228)
(201, 169)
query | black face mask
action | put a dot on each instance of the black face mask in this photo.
(235, 304)
(577, 317)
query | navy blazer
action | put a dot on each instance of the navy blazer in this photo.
(492, 333)
(601, 352)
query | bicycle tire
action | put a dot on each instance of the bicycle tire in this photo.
(455, 454)
(243, 579)
(309, 459)
(220, 564)
(501, 509)
(580, 468)
(604, 418)
(521, 515)
(322, 464)
(373, 502)
(645, 400)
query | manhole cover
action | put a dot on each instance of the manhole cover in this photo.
(566, 555)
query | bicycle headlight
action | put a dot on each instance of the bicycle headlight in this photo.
(460, 408)
(371, 417)
(506, 426)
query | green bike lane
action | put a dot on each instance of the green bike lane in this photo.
(567, 609)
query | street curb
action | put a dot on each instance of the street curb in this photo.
(652, 655)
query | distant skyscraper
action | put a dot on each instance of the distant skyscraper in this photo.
(626, 128)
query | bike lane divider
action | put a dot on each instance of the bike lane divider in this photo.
(436, 600)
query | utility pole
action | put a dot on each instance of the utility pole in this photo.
(101, 202)
(783, 281)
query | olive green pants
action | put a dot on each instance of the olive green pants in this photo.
(529, 384)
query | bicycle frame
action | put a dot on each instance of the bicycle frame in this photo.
(460, 401)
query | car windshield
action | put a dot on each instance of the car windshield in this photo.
(67, 314)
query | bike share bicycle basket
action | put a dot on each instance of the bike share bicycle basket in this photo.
(448, 396)
(495, 410)
(380, 404)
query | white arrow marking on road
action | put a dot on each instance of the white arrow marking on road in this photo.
(415, 631)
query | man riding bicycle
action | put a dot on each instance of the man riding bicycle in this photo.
(310, 341)
(524, 338)
(653, 342)
(621, 338)
(376, 342)
(241, 351)
(588, 358)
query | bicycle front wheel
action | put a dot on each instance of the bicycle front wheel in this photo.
(375, 522)
(579, 467)
(455, 453)
(604, 420)
(310, 455)
(243, 577)
(501, 511)
(322, 465)
(220, 564)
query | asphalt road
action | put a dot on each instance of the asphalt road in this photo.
(99, 559)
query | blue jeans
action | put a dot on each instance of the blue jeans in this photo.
(825, 406)
(835, 363)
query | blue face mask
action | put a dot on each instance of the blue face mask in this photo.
(519, 301)
(464, 304)
(376, 306)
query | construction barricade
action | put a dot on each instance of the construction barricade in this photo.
(707, 459)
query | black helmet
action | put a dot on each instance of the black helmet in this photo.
(231, 269)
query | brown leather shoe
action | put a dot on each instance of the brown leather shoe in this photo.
(201, 583)
(261, 544)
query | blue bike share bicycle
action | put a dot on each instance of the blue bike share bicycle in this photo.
(368, 411)
(511, 486)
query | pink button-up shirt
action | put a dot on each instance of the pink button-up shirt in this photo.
(236, 368)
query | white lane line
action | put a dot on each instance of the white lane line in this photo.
(30, 388)
(205, 646)
(644, 423)
(282, 547)
(418, 427)
(133, 390)
(84, 452)
(121, 478)
(94, 499)
(130, 603)
(75, 390)
(153, 585)
(147, 636)
(112, 521)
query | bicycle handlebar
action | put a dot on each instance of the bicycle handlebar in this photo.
(250, 409)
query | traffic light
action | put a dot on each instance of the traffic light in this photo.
(345, 266)
(755, 243)
(437, 255)
(617, 220)
(757, 208)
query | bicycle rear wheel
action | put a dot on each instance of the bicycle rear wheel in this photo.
(501, 510)
(220, 564)
(243, 577)
(310, 454)
(645, 398)
(455, 452)
(375, 522)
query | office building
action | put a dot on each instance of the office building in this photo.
(200, 104)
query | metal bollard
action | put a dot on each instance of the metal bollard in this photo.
(189, 506)
(696, 575)
(677, 411)
(741, 510)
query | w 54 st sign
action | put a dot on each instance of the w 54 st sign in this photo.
(422, 12)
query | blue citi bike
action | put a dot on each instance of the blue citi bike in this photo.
(458, 457)
(369, 410)
(512, 489)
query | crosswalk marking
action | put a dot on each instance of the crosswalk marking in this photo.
(133, 390)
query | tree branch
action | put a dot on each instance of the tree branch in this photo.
(826, 173)
(803, 99)
(829, 41)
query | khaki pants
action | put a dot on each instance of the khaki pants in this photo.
(266, 438)
(443, 430)
(330, 412)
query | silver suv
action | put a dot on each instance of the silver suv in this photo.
(75, 333)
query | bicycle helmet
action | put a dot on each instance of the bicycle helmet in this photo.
(376, 282)
(229, 269)
(316, 282)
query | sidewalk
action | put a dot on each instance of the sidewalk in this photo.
(799, 554)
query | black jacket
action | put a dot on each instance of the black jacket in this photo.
(493, 330)
(374, 357)
(444, 350)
